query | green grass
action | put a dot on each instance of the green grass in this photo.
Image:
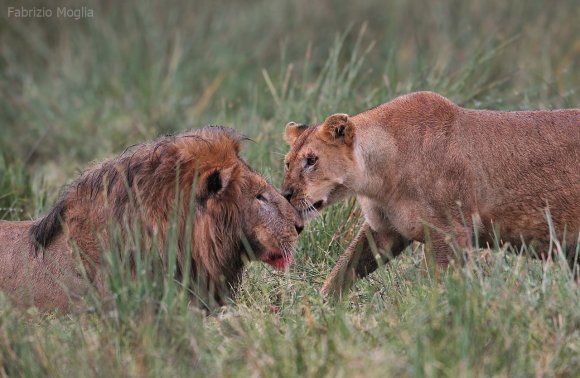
(15, 190)
(74, 91)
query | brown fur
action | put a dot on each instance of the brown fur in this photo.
(138, 188)
(421, 163)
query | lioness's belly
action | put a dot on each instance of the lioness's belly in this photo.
(509, 224)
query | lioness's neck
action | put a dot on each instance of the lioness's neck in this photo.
(376, 129)
(374, 152)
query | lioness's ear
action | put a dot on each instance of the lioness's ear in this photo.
(218, 180)
(338, 128)
(293, 131)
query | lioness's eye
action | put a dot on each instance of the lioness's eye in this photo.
(311, 160)
(286, 165)
(260, 197)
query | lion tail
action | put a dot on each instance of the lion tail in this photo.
(46, 228)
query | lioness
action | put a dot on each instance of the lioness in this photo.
(421, 164)
(232, 202)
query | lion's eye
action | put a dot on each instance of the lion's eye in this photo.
(311, 160)
(260, 197)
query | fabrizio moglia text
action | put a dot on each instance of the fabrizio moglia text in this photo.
(45, 12)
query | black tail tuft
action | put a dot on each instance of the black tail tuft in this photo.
(45, 229)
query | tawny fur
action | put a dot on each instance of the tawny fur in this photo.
(138, 188)
(422, 163)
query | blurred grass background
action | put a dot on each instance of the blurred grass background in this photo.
(72, 91)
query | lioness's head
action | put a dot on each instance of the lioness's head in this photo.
(319, 163)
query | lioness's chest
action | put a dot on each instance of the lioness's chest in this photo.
(404, 216)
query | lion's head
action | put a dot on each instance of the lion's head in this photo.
(236, 214)
(318, 165)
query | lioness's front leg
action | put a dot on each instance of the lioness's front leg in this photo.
(363, 256)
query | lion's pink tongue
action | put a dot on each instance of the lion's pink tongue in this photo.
(280, 262)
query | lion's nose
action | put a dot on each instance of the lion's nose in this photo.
(288, 193)
(299, 228)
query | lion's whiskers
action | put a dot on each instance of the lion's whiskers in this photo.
(287, 248)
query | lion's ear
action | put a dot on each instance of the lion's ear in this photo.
(293, 131)
(218, 180)
(338, 128)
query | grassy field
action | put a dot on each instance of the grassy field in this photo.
(73, 91)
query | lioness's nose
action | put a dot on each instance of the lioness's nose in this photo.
(288, 193)
(299, 228)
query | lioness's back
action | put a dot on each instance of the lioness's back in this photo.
(539, 139)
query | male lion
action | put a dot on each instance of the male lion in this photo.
(232, 202)
(424, 169)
